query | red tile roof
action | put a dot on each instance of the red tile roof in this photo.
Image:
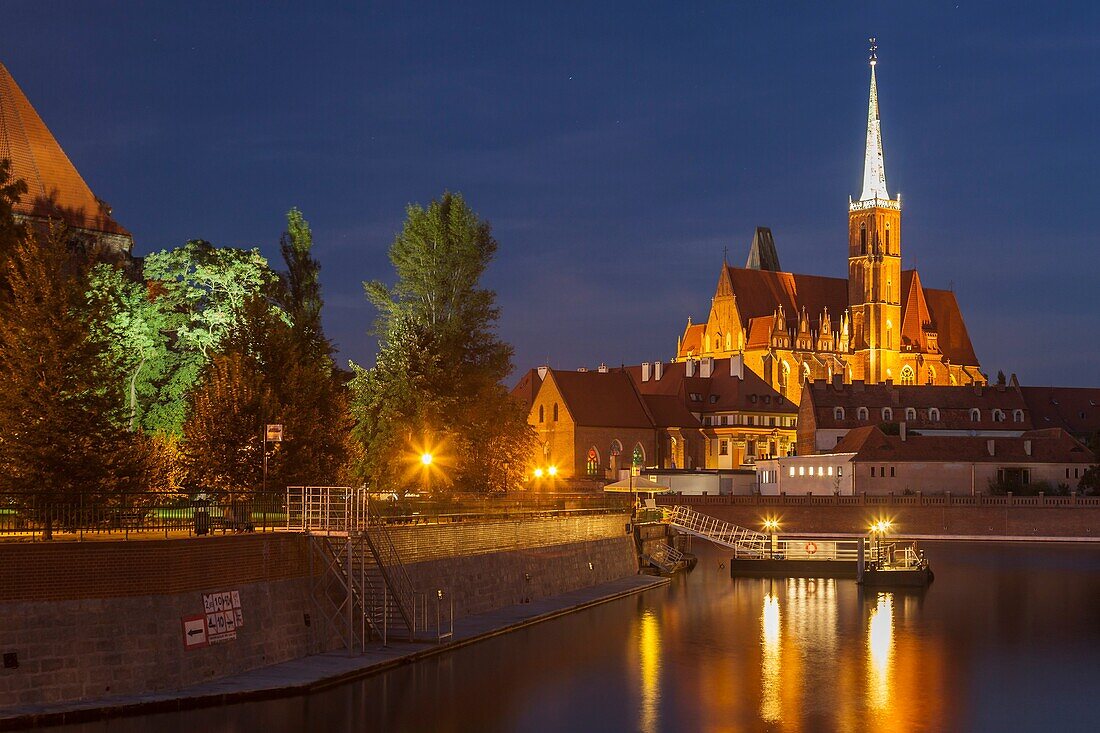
(1047, 446)
(54, 187)
(527, 387)
(721, 392)
(692, 341)
(953, 403)
(760, 292)
(1076, 409)
(954, 341)
(602, 399)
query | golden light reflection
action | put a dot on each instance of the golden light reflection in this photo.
(649, 652)
(880, 650)
(771, 677)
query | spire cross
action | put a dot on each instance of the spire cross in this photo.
(874, 48)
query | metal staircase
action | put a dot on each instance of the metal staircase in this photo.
(361, 587)
(745, 542)
(665, 557)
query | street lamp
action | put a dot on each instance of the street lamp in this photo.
(771, 526)
(538, 473)
(553, 471)
(426, 459)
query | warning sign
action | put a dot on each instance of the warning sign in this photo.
(194, 631)
(223, 615)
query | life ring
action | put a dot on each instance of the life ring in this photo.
(811, 548)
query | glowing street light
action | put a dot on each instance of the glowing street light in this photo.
(771, 525)
(553, 471)
(538, 473)
(426, 459)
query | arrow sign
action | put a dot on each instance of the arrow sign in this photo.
(194, 632)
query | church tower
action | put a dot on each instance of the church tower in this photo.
(874, 260)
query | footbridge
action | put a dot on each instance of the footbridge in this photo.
(743, 541)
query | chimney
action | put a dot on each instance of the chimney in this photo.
(690, 368)
(901, 430)
(706, 367)
(658, 370)
(543, 370)
(602, 368)
(737, 366)
(1027, 447)
(889, 383)
(991, 447)
(645, 371)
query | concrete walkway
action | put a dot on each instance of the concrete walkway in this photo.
(309, 674)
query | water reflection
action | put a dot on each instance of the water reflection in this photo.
(880, 651)
(649, 657)
(770, 707)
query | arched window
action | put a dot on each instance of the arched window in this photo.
(887, 414)
(907, 375)
(1017, 416)
(887, 239)
(542, 413)
(717, 342)
(861, 413)
(931, 379)
(592, 462)
(910, 413)
(975, 415)
(806, 376)
(933, 414)
(555, 412)
(863, 239)
(998, 416)
(616, 448)
(638, 457)
(889, 335)
(838, 413)
(784, 377)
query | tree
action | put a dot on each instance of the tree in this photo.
(62, 429)
(11, 230)
(440, 364)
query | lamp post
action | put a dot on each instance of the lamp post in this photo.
(771, 526)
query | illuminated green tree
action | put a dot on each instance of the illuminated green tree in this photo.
(440, 363)
(11, 231)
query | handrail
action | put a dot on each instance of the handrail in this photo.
(718, 531)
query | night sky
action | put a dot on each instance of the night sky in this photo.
(616, 151)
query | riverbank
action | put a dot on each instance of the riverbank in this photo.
(320, 671)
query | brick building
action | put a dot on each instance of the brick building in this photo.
(880, 323)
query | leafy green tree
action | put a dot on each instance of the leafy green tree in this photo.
(11, 231)
(62, 429)
(440, 364)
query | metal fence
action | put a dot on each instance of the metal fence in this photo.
(917, 499)
(37, 516)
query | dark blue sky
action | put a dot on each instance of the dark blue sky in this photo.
(616, 150)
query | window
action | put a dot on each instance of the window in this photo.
(887, 239)
(933, 414)
(1017, 416)
(792, 471)
(771, 421)
(907, 375)
(723, 447)
(696, 397)
(887, 414)
(638, 456)
(840, 470)
(542, 413)
(811, 470)
(861, 413)
(891, 472)
(838, 413)
(713, 398)
(592, 462)
(752, 419)
(821, 471)
(872, 471)
(801, 470)
(863, 239)
(998, 416)
(616, 448)
(1076, 473)
(975, 415)
(1014, 476)
(910, 413)
(931, 378)
(830, 470)
(555, 412)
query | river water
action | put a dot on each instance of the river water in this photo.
(1006, 639)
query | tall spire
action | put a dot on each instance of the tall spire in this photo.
(874, 170)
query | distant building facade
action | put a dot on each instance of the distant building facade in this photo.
(879, 324)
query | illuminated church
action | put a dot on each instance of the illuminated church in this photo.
(880, 324)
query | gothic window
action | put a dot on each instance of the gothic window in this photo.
(861, 413)
(717, 342)
(998, 416)
(838, 413)
(887, 239)
(907, 375)
(889, 334)
(784, 377)
(910, 413)
(555, 412)
(592, 462)
(933, 414)
(542, 413)
(975, 415)
(638, 457)
(863, 239)
(806, 376)
(887, 414)
(1018, 416)
(931, 376)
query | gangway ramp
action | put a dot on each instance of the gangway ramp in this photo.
(747, 542)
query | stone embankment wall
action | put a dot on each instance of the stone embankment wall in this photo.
(909, 517)
(87, 620)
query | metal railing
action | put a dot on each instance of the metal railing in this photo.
(326, 509)
(718, 531)
(864, 499)
(44, 515)
(665, 557)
